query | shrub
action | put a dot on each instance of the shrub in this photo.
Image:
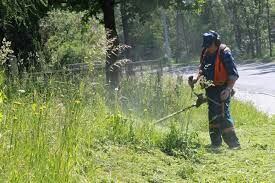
(69, 39)
(178, 143)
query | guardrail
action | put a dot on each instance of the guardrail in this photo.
(138, 66)
(84, 68)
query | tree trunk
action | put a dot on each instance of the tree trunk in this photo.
(125, 28)
(167, 48)
(1, 23)
(112, 71)
(250, 47)
(269, 27)
(231, 9)
(1, 35)
(258, 38)
(257, 17)
(237, 27)
(179, 36)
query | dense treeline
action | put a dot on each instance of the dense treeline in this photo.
(244, 25)
(20, 25)
(153, 29)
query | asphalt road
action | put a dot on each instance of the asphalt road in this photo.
(256, 84)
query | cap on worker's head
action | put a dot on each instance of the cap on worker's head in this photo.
(208, 39)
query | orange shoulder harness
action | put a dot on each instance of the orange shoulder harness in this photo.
(220, 73)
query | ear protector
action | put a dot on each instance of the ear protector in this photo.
(217, 37)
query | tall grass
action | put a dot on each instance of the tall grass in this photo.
(49, 130)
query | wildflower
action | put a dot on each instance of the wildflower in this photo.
(21, 91)
(34, 106)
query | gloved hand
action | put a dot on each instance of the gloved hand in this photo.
(225, 94)
(192, 81)
(200, 100)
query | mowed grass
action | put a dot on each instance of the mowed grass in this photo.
(81, 132)
(253, 163)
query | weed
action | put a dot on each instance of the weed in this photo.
(178, 143)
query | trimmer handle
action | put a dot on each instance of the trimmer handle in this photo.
(190, 81)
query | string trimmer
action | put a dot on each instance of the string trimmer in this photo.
(200, 100)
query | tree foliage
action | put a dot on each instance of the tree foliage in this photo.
(244, 25)
(19, 23)
(67, 39)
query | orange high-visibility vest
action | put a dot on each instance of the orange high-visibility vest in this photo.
(220, 72)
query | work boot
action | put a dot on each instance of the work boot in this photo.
(215, 136)
(231, 139)
(235, 148)
(212, 146)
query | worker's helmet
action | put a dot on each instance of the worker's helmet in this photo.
(209, 38)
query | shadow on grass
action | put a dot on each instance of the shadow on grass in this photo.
(213, 150)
